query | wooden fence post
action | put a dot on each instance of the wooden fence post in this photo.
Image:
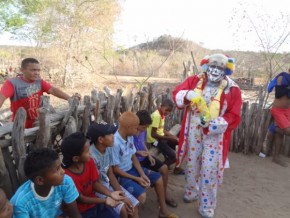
(18, 143)
(5, 182)
(86, 114)
(118, 100)
(43, 135)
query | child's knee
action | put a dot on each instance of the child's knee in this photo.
(159, 182)
(123, 212)
(142, 198)
(163, 170)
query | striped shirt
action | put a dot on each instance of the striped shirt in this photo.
(27, 203)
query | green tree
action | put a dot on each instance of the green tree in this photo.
(70, 28)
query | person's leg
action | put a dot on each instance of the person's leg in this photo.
(133, 187)
(192, 170)
(211, 160)
(282, 118)
(163, 170)
(123, 212)
(278, 144)
(156, 182)
(169, 153)
(136, 213)
(172, 145)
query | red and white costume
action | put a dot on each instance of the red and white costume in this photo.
(205, 149)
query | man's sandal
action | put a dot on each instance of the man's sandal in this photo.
(172, 215)
(171, 203)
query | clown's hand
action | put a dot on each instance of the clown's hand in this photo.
(191, 95)
(217, 126)
(200, 103)
(204, 121)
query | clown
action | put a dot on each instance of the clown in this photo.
(213, 105)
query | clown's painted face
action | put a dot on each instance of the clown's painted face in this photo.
(215, 73)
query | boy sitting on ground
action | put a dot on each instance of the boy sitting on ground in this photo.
(79, 165)
(42, 195)
(102, 140)
(126, 166)
(157, 136)
(146, 159)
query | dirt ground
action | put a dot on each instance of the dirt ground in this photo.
(253, 187)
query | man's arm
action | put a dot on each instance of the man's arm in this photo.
(58, 93)
(2, 99)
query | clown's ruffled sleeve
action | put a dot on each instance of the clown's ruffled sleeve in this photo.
(181, 90)
(233, 112)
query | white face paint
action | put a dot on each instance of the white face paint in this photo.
(215, 73)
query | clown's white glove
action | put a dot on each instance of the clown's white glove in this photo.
(217, 126)
(191, 94)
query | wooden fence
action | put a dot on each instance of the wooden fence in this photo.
(104, 105)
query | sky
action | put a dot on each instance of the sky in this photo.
(206, 22)
(214, 24)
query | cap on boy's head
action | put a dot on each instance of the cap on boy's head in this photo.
(71, 146)
(97, 130)
(129, 119)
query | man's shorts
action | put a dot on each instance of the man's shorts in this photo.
(281, 117)
(117, 209)
(134, 187)
(147, 164)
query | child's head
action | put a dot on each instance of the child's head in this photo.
(145, 120)
(75, 149)
(101, 133)
(30, 68)
(166, 106)
(6, 209)
(43, 167)
(129, 123)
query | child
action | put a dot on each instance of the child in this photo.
(131, 175)
(6, 209)
(81, 168)
(102, 139)
(144, 156)
(26, 91)
(281, 113)
(42, 195)
(159, 137)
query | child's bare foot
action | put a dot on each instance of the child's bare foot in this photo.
(280, 162)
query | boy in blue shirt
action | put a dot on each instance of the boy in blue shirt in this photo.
(47, 188)
(126, 166)
(102, 140)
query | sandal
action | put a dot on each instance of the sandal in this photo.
(171, 203)
(172, 215)
(178, 171)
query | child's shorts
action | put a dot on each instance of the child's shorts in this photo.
(134, 187)
(281, 117)
(117, 209)
(100, 210)
(147, 164)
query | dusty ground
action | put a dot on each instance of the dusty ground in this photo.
(254, 187)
